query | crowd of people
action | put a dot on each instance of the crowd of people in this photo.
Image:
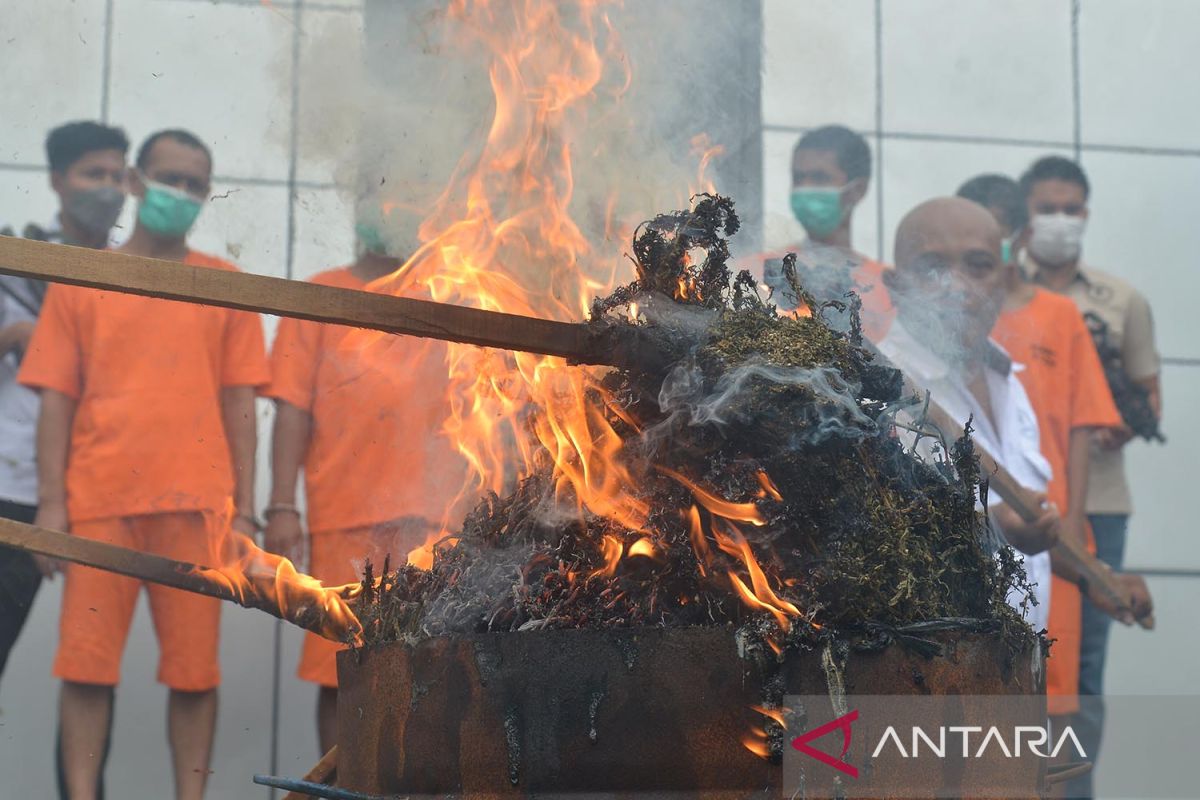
(131, 420)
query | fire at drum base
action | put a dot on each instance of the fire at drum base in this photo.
(655, 712)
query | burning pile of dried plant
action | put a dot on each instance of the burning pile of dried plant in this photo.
(771, 491)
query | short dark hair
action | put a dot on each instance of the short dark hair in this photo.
(1055, 168)
(853, 153)
(1000, 192)
(174, 134)
(68, 143)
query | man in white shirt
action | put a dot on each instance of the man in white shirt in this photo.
(948, 289)
(87, 172)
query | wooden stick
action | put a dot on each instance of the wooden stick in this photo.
(170, 280)
(258, 592)
(150, 277)
(1070, 557)
(324, 772)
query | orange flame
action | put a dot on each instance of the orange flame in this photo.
(611, 548)
(644, 547)
(501, 238)
(258, 579)
(699, 543)
(741, 512)
(768, 487)
(762, 596)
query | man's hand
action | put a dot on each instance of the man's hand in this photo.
(1030, 538)
(1140, 601)
(1114, 438)
(285, 536)
(51, 515)
(15, 336)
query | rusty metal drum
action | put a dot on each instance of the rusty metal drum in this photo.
(647, 712)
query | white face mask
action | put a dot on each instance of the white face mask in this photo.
(1056, 239)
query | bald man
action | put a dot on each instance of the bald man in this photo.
(948, 289)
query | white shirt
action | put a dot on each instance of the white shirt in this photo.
(1013, 440)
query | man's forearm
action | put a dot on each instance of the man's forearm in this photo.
(241, 432)
(55, 419)
(289, 447)
(1079, 447)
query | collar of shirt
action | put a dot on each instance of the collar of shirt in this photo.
(1034, 273)
(1012, 439)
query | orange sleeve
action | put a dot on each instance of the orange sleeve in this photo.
(54, 359)
(1092, 402)
(294, 359)
(244, 360)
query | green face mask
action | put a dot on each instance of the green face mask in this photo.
(370, 238)
(818, 209)
(167, 211)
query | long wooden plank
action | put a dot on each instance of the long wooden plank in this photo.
(105, 269)
(258, 594)
(1070, 557)
(173, 281)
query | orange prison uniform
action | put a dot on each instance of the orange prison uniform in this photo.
(375, 475)
(149, 465)
(1067, 388)
(877, 310)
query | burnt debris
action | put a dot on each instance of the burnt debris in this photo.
(761, 445)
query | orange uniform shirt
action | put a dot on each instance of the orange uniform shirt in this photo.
(377, 404)
(877, 310)
(1062, 375)
(148, 435)
(1066, 386)
(866, 279)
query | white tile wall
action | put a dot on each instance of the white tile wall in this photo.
(780, 227)
(324, 231)
(1143, 228)
(978, 68)
(1163, 481)
(333, 87)
(1136, 59)
(819, 62)
(26, 196)
(220, 71)
(52, 55)
(245, 224)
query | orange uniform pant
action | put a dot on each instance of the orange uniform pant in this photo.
(1066, 629)
(98, 606)
(338, 557)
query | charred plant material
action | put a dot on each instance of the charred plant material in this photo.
(1132, 399)
(762, 446)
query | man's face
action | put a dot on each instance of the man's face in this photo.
(1054, 196)
(94, 170)
(950, 280)
(817, 169)
(177, 165)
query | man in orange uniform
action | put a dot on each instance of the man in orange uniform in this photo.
(359, 411)
(831, 171)
(145, 436)
(1062, 374)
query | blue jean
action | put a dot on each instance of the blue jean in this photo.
(1109, 531)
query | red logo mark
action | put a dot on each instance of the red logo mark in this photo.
(843, 722)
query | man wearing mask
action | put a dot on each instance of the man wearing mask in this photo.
(949, 288)
(356, 411)
(145, 439)
(87, 172)
(831, 171)
(1056, 193)
(1062, 375)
